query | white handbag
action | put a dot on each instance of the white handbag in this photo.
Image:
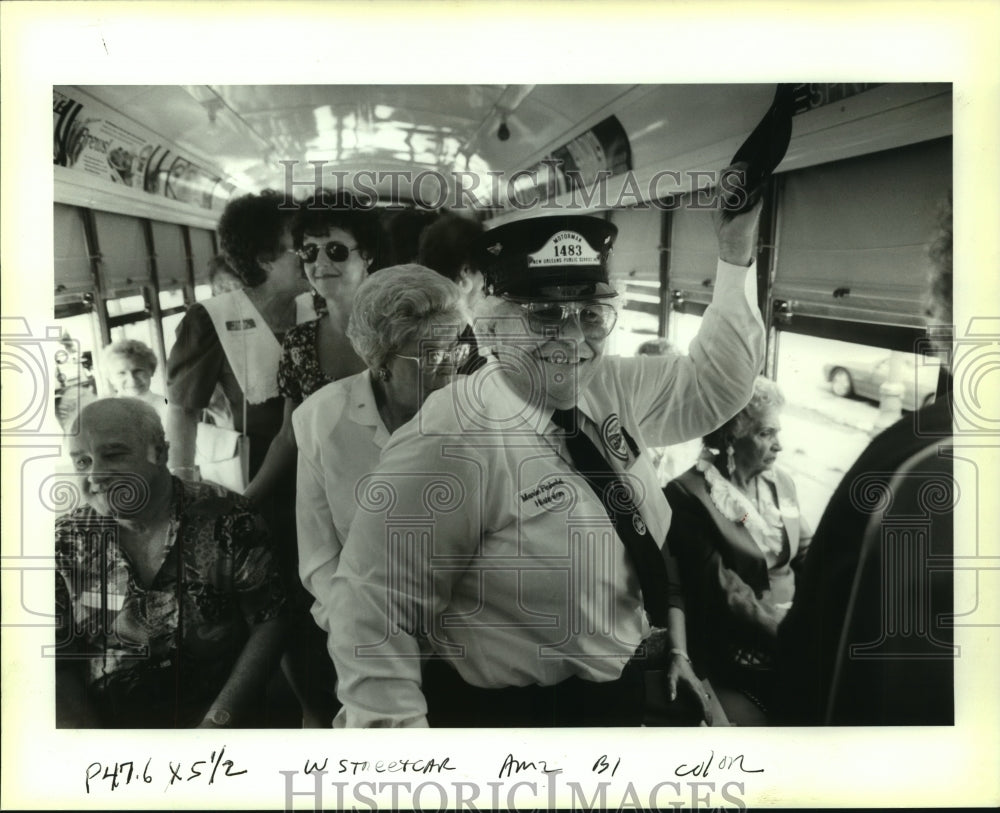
(223, 456)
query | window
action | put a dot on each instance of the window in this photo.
(170, 324)
(853, 236)
(832, 392)
(72, 259)
(75, 382)
(634, 271)
(124, 252)
(171, 299)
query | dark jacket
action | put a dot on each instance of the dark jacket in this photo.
(724, 573)
(899, 676)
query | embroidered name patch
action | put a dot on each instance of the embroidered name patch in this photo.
(611, 437)
(551, 491)
(241, 324)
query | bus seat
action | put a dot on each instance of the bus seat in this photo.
(895, 660)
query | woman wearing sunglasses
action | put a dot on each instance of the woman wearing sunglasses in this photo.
(336, 241)
(405, 325)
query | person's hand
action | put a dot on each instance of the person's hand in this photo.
(681, 678)
(737, 233)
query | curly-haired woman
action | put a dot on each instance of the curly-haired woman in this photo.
(337, 241)
(235, 339)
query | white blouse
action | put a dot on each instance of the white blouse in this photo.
(340, 437)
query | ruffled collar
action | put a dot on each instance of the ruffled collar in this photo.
(735, 506)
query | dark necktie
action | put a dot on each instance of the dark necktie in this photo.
(617, 498)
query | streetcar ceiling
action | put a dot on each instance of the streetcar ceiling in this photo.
(244, 132)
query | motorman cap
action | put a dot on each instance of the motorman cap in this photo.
(522, 258)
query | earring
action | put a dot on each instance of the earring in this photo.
(383, 374)
(730, 461)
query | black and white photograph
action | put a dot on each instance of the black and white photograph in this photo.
(615, 439)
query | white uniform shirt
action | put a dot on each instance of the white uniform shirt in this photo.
(476, 534)
(340, 436)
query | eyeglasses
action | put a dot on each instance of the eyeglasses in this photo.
(595, 319)
(436, 357)
(334, 249)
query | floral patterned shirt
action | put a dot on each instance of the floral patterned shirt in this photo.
(182, 635)
(299, 372)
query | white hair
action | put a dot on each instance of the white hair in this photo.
(397, 304)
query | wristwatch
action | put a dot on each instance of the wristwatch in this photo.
(219, 717)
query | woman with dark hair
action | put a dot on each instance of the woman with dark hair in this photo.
(446, 246)
(337, 241)
(235, 339)
(739, 540)
(221, 278)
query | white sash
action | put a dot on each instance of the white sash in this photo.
(244, 335)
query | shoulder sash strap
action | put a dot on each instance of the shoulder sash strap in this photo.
(244, 335)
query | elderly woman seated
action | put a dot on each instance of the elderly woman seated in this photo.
(739, 539)
(129, 365)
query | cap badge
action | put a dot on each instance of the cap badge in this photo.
(565, 248)
(495, 249)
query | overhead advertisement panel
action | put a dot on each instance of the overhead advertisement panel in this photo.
(103, 146)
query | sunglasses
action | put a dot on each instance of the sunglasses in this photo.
(595, 319)
(335, 250)
(436, 357)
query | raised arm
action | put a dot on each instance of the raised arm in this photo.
(677, 398)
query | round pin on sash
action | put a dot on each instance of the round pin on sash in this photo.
(638, 524)
(611, 437)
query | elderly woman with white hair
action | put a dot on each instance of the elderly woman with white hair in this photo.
(405, 324)
(739, 540)
(129, 366)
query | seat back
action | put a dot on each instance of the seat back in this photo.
(895, 660)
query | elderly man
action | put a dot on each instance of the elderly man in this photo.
(512, 530)
(169, 604)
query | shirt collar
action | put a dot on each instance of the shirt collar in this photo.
(537, 417)
(362, 409)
